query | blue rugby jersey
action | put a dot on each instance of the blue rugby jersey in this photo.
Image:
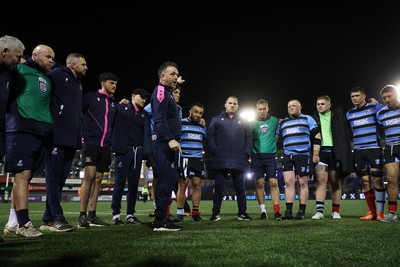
(390, 120)
(147, 108)
(295, 133)
(364, 125)
(193, 135)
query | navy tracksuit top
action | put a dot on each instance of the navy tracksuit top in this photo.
(66, 108)
(132, 128)
(166, 115)
(99, 112)
(5, 83)
(230, 141)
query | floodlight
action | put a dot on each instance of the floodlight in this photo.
(248, 114)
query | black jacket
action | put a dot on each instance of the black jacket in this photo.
(131, 128)
(166, 115)
(230, 141)
(5, 83)
(98, 118)
(341, 138)
(66, 108)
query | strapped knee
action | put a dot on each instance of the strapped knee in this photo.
(321, 167)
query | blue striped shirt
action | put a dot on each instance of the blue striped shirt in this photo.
(295, 133)
(193, 135)
(390, 120)
(364, 125)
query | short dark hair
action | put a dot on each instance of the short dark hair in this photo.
(165, 65)
(108, 76)
(324, 97)
(232, 96)
(198, 105)
(72, 56)
(388, 88)
(262, 102)
(357, 89)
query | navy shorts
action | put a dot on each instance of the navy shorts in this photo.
(264, 166)
(25, 151)
(327, 156)
(191, 168)
(391, 154)
(97, 156)
(368, 158)
(300, 164)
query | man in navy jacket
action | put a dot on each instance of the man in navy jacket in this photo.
(66, 110)
(166, 147)
(11, 52)
(131, 143)
(99, 109)
(230, 142)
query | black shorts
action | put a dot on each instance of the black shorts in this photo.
(191, 167)
(264, 166)
(368, 158)
(391, 154)
(97, 156)
(25, 151)
(300, 164)
(327, 156)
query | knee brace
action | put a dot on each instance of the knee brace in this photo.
(321, 167)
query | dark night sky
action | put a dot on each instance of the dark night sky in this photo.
(252, 51)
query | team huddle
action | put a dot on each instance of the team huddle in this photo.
(45, 119)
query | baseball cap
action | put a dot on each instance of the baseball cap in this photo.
(142, 92)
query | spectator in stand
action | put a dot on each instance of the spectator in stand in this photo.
(145, 193)
(367, 151)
